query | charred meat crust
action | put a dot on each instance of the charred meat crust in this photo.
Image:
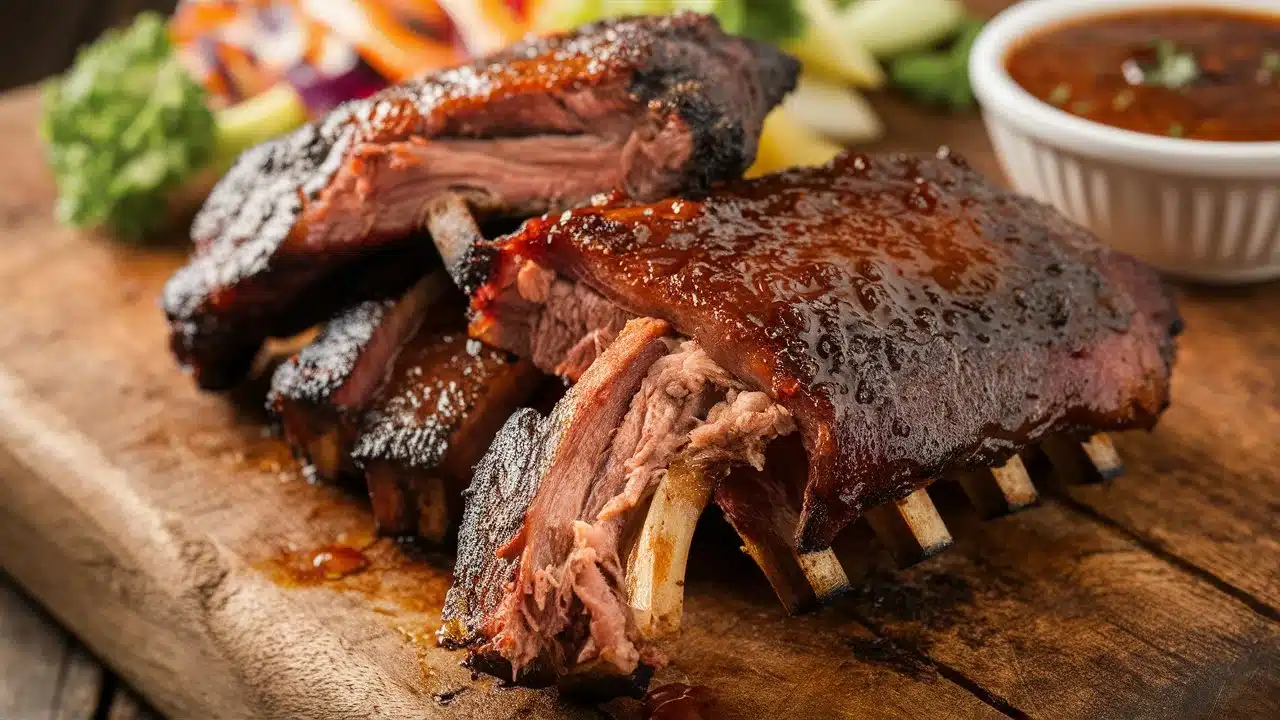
(679, 102)
(913, 317)
(418, 441)
(396, 391)
(321, 393)
(502, 487)
(307, 293)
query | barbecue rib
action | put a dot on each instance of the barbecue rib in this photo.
(528, 543)
(406, 400)
(906, 316)
(444, 401)
(321, 393)
(912, 316)
(653, 105)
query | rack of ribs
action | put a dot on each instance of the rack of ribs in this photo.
(394, 392)
(652, 106)
(901, 316)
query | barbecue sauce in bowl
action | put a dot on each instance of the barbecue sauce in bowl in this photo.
(1198, 73)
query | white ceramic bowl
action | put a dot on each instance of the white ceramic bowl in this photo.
(1207, 211)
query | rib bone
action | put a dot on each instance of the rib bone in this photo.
(911, 528)
(1092, 461)
(1000, 490)
(656, 566)
(825, 574)
(763, 507)
(455, 233)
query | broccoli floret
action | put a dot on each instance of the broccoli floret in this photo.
(126, 126)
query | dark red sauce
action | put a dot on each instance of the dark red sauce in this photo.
(1200, 73)
(678, 701)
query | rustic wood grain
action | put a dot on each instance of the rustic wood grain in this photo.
(1210, 496)
(46, 673)
(153, 521)
(33, 659)
(125, 706)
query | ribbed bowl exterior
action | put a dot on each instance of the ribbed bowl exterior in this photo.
(1207, 211)
(1207, 229)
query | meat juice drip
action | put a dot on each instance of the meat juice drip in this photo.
(678, 701)
(318, 565)
(336, 561)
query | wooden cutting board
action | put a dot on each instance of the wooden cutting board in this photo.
(171, 532)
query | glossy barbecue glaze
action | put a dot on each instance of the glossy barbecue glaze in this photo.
(912, 316)
(439, 410)
(438, 381)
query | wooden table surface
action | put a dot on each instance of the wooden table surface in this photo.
(46, 674)
(159, 525)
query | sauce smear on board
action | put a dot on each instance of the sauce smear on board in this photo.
(1200, 73)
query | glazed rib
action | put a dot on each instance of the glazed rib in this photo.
(396, 393)
(321, 394)
(652, 105)
(913, 317)
(445, 399)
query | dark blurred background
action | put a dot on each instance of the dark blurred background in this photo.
(39, 37)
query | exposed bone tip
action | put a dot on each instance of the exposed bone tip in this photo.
(1094, 460)
(1000, 490)
(911, 528)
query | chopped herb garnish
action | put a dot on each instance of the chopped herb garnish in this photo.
(1081, 107)
(1176, 130)
(1060, 94)
(1122, 100)
(1271, 61)
(1172, 69)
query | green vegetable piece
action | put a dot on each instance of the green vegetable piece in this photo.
(565, 14)
(1176, 130)
(1123, 100)
(730, 13)
(939, 77)
(771, 20)
(891, 27)
(126, 126)
(1173, 68)
(1271, 62)
(1060, 94)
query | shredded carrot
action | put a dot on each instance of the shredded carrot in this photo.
(245, 74)
(392, 49)
(194, 20)
(427, 12)
(504, 18)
